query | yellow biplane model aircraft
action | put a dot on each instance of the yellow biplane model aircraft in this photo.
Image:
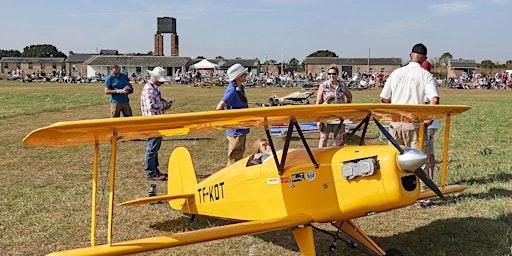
(292, 189)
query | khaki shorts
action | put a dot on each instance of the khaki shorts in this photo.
(236, 148)
(327, 128)
(406, 134)
(117, 108)
(428, 141)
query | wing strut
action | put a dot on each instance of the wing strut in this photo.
(305, 143)
(280, 165)
(365, 121)
(273, 148)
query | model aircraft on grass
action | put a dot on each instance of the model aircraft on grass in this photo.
(293, 188)
(294, 98)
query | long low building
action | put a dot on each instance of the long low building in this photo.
(319, 65)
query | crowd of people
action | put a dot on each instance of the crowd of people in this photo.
(498, 81)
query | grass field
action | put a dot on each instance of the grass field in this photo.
(46, 195)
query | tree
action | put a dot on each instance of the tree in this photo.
(509, 64)
(487, 64)
(42, 51)
(293, 63)
(219, 58)
(200, 57)
(9, 53)
(323, 53)
(445, 59)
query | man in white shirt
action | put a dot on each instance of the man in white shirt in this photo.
(409, 85)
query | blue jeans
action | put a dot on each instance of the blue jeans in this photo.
(151, 159)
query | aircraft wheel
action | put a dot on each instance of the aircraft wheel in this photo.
(394, 252)
(333, 247)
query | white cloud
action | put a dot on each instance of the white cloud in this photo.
(449, 8)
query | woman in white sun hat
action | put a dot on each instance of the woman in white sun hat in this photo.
(234, 98)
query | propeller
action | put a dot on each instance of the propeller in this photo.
(411, 160)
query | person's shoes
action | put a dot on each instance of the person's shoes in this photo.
(424, 203)
(159, 177)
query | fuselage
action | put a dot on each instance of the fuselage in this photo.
(351, 182)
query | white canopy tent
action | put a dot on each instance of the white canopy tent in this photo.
(204, 65)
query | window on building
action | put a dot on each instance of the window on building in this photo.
(30, 65)
(73, 67)
(370, 71)
(42, 66)
(18, 65)
(6, 65)
(382, 70)
(138, 70)
(358, 70)
(54, 65)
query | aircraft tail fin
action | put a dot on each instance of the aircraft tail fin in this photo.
(182, 176)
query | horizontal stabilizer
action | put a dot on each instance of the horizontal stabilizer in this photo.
(424, 194)
(184, 238)
(154, 199)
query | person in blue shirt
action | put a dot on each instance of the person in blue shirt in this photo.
(116, 85)
(234, 98)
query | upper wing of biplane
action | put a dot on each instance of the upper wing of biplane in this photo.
(103, 130)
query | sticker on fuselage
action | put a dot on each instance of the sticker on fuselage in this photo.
(297, 177)
(285, 180)
(273, 181)
(310, 175)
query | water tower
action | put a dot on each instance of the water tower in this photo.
(166, 25)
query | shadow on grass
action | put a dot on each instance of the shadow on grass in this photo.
(454, 236)
(491, 194)
(491, 178)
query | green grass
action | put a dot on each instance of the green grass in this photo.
(46, 196)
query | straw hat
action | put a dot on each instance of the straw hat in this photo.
(235, 71)
(159, 74)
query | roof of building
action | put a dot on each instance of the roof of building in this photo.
(32, 59)
(79, 57)
(164, 61)
(460, 63)
(351, 61)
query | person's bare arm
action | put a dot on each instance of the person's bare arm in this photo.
(384, 100)
(221, 106)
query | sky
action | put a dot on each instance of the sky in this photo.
(266, 29)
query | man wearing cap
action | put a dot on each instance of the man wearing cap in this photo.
(115, 84)
(234, 98)
(410, 85)
(151, 103)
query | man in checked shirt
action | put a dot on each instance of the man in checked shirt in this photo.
(151, 103)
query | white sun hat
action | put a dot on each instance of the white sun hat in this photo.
(235, 71)
(159, 74)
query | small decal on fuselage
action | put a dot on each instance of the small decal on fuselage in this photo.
(297, 177)
(311, 175)
(211, 193)
(273, 181)
(285, 179)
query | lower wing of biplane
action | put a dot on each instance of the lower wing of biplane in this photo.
(95, 132)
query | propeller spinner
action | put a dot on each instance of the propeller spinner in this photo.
(411, 160)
